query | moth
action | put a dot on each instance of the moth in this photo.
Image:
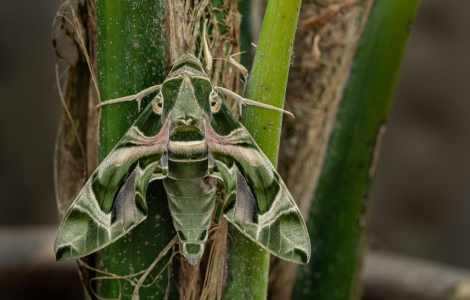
(188, 138)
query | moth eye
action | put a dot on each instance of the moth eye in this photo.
(216, 103)
(158, 104)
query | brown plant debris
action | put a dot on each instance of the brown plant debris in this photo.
(327, 15)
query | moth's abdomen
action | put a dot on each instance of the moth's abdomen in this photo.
(191, 204)
(191, 194)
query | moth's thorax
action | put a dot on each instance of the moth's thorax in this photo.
(186, 110)
(187, 146)
(187, 153)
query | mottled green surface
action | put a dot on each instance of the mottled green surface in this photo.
(130, 59)
(248, 263)
(339, 212)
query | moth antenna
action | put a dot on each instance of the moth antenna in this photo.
(243, 101)
(240, 67)
(205, 46)
(137, 97)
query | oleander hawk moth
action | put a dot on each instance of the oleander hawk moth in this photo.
(188, 138)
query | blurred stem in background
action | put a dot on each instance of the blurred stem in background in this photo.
(339, 213)
(248, 263)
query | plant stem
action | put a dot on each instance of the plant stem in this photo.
(131, 45)
(339, 214)
(248, 264)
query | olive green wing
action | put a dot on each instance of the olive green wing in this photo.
(112, 201)
(257, 200)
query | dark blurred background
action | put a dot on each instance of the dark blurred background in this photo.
(421, 195)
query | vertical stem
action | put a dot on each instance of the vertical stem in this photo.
(339, 214)
(131, 57)
(248, 264)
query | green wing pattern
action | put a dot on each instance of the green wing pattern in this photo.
(112, 201)
(257, 201)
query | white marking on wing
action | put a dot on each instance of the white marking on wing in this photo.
(188, 143)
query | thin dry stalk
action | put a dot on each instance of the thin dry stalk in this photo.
(135, 295)
(92, 135)
(131, 279)
(215, 280)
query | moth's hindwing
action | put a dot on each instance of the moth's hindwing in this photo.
(257, 201)
(112, 201)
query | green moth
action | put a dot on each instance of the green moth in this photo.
(188, 138)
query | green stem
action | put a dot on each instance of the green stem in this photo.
(248, 264)
(131, 58)
(339, 213)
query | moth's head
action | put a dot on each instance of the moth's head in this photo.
(186, 98)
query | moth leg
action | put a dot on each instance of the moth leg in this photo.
(137, 97)
(157, 176)
(243, 101)
(161, 171)
(164, 163)
(210, 162)
(217, 175)
(241, 68)
(205, 47)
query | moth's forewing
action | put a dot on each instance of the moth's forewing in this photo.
(257, 200)
(113, 200)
